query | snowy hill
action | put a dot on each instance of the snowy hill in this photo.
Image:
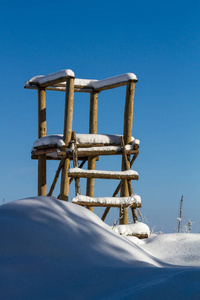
(51, 249)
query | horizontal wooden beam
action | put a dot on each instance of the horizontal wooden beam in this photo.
(106, 202)
(83, 152)
(76, 172)
(60, 89)
(107, 205)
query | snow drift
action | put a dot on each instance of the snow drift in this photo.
(51, 249)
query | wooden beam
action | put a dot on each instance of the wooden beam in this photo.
(68, 117)
(106, 211)
(82, 152)
(128, 123)
(56, 177)
(92, 130)
(42, 131)
(102, 174)
(95, 204)
(97, 151)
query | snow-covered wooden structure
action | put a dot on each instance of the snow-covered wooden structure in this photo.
(86, 147)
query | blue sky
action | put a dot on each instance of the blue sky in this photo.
(159, 41)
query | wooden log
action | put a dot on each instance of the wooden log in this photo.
(64, 187)
(55, 81)
(42, 125)
(105, 202)
(92, 130)
(134, 214)
(75, 162)
(68, 117)
(93, 113)
(105, 213)
(126, 166)
(112, 86)
(42, 185)
(139, 236)
(60, 89)
(128, 112)
(42, 131)
(128, 123)
(56, 176)
(94, 204)
(103, 174)
(97, 151)
(130, 188)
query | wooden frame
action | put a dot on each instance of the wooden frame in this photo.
(65, 81)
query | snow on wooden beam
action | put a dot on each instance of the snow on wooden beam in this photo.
(129, 174)
(137, 229)
(133, 201)
(113, 82)
(57, 81)
(56, 153)
(84, 140)
(50, 79)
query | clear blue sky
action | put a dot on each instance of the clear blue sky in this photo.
(159, 41)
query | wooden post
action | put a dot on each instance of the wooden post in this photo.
(128, 123)
(68, 117)
(75, 163)
(130, 188)
(92, 130)
(42, 131)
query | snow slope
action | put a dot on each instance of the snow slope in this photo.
(51, 249)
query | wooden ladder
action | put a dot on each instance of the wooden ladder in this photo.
(109, 202)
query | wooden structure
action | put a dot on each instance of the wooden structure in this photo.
(86, 147)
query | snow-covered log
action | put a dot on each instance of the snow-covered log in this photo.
(134, 201)
(77, 172)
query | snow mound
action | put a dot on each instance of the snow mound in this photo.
(178, 249)
(46, 226)
(50, 249)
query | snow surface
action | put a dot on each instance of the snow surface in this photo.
(51, 249)
(82, 139)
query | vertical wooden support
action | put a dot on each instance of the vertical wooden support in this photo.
(128, 124)
(130, 188)
(75, 163)
(42, 131)
(68, 117)
(92, 130)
